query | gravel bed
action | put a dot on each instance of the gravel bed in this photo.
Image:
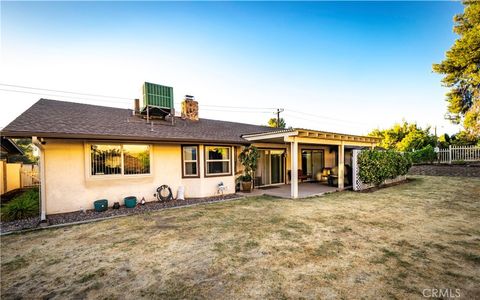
(19, 224)
(79, 216)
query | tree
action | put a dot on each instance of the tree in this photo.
(461, 68)
(404, 137)
(27, 147)
(273, 123)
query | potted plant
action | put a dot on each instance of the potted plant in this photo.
(248, 157)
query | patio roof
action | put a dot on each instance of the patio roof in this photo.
(312, 136)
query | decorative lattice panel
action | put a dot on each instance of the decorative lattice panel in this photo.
(358, 185)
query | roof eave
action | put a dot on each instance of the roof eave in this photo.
(71, 136)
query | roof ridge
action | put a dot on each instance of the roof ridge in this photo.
(128, 109)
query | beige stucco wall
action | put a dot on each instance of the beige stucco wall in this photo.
(69, 188)
(2, 177)
(13, 176)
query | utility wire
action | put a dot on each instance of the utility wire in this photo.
(241, 109)
(323, 117)
(60, 91)
(64, 96)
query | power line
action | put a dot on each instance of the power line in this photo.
(64, 96)
(323, 122)
(240, 109)
(324, 117)
(60, 91)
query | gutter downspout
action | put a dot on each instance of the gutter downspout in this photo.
(41, 150)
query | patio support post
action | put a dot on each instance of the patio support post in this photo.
(41, 150)
(294, 169)
(341, 166)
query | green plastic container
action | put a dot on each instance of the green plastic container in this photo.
(130, 202)
(100, 205)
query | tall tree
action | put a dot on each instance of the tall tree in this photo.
(461, 68)
(405, 137)
(27, 147)
(273, 123)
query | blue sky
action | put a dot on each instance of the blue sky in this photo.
(351, 66)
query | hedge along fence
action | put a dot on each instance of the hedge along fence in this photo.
(425, 155)
(373, 167)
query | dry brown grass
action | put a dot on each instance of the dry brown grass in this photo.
(392, 243)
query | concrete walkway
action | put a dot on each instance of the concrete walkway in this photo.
(305, 190)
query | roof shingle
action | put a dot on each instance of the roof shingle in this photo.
(52, 118)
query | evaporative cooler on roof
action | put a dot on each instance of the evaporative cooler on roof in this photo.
(157, 100)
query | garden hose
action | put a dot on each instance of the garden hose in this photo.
(164, 193)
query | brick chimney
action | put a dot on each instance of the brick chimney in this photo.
(190, 108)
(136, 106)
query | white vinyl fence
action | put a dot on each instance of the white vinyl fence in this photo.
(458, 153)
(358, 185)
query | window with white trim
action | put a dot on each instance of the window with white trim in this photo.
(190, 161)
(113, 159)
(217, 160)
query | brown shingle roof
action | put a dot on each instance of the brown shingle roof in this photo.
(52, 118)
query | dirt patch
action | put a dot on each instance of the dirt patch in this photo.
(376, 188)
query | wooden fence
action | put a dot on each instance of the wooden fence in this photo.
(30, 175)
(458, 153)
(17, 175)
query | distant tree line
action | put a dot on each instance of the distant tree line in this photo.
(407, 137)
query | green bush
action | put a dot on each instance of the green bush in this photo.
(23, 206)
(425, 155)
(377, 166)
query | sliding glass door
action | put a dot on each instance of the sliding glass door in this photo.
(270, 168)
(312, 162)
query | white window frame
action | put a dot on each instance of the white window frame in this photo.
(229, 160)
(88, 162)
(185, 161)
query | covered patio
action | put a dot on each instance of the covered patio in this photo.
(306, 190)
(296, 143)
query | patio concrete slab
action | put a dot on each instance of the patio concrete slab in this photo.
(305, 190)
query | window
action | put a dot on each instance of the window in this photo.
(136, 159)
(119, 159)
(217, 160)
(106, 159)
(190, 161)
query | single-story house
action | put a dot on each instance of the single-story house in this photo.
(90, 152)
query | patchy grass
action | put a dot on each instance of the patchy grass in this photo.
(392, 243)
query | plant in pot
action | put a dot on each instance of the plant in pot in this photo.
(248, 158)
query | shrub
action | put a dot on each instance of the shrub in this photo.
(377, 166)
(23, 206)
(425, 155)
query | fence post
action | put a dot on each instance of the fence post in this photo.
(450, 154)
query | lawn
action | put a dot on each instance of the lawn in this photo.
(392, 243)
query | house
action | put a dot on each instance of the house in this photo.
(90, 152)
(9, 172)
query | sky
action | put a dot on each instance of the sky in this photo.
(336, 66)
